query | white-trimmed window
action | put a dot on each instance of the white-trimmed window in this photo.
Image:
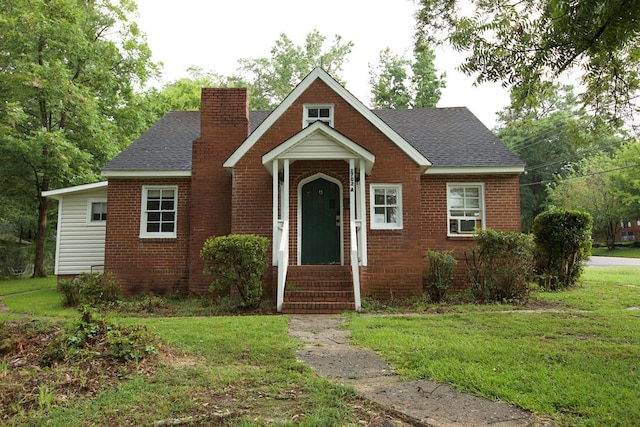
(386, 206)
(315, 112)
(465, 208)
(96, 211)
(159, 211)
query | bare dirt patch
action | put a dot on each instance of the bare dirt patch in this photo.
(29, 382)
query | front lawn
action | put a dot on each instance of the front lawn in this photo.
(15, 286)
(239, 370)
(575, 360)
(618, 251)
(579, 364)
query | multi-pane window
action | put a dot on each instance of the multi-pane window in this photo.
(386, 206)
(465, 208)
(313, 113)
(96, 211)
(159, 212)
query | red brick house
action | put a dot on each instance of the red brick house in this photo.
(351, 198)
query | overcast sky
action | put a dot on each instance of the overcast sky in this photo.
(215, 34)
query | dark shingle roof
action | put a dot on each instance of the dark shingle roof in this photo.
(445, 136)
(166, 146)
(449, 137)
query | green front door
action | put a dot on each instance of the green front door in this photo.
(320, 223)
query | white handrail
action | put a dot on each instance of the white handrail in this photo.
(283, 262)
(354, 265)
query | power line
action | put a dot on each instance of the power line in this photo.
(550, 181)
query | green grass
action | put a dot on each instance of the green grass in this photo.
(619, 251)
(14, 286)
(45, 302)
(580, 367)
(246, 364)
(600, 288)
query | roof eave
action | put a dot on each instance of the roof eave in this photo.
(57, 194)
(146, 173)
(474, 170)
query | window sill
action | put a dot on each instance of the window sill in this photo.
(157, 239)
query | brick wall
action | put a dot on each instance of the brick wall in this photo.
(224, 122)
(158, 266)
(395, 264)
(502, 204)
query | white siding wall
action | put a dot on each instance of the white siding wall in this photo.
(80, 245)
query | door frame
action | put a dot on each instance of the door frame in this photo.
(299, 208)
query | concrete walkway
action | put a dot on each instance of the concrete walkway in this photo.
(422, 403)
(610, 261)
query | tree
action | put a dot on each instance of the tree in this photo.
(627, 179)
(389, 81)
(270, 80)
(67, 71)
(589, 187)
(526, 44)
(397, 82)
(549, 137)
(182, 94)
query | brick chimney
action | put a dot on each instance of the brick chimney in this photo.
(224, 125)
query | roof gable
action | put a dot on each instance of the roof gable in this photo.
(318, 141)
(319, 73)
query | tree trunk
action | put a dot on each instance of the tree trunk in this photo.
(41, 237)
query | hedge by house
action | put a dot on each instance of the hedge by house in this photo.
(238, 261)
(500, 267)
(563, 241)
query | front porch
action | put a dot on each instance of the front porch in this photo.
(319, 220)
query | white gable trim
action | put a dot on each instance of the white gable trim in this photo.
(474, 170)
(56, 194)
(317, 128)
(319, 73)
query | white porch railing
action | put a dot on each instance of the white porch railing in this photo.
(283, 262)
(355, 270)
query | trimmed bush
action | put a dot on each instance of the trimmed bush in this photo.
(440, 278)
(93, 289)
(70, 289)
(238, 261)
(563, 241)
(500, 267)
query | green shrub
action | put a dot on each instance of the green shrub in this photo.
(238, 261)
(94, 289)
(500, 267)
(441, 265)
(563, 241)
(98, 288)
(94, 337)
(70, 289)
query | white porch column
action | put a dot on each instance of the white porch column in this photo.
(352, 190)
(285, 192)
(362, 205)
(275, 202)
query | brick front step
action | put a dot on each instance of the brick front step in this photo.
(329, 285)
(319, 296)
(300, 273)
(317, 307)
(319, 289)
